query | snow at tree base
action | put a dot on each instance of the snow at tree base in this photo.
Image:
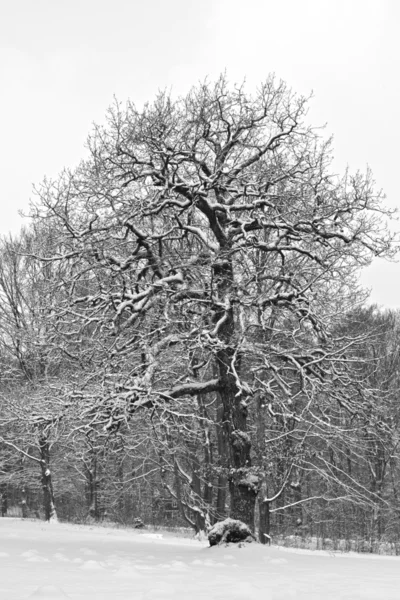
(60, 561)
(229, 530)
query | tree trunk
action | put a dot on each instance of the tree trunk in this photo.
(208, 454)
(221, 497)
(298, 505)
(242, 487)
(377, 469)
(47, 484)
(199, 522)
(243, 503)
(4, 500)
(24, 503)
(121, 486)
(264, 527)
(93, 484)
(199, 516)
(223, 464)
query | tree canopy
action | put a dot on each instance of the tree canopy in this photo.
(202, 259)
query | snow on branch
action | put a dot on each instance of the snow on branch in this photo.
(192, 388)
(7, 443)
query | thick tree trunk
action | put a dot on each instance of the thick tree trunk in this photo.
(243, 503)
(47, 484)
(242, 486)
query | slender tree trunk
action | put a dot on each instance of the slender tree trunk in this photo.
(208, 455)
(264, 524)
(223, 460)
(121, 487)
(199, 516)
(4, 500)
(377, 488)
(24, 503)
(280, 501)
(47, 484)
(93, 484)
(298, 508)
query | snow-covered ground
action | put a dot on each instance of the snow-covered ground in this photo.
(51, 562)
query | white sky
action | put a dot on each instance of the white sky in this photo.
(61, 62)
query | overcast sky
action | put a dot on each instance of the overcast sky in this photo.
(62, 61)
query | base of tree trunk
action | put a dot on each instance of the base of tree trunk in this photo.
(230, 531)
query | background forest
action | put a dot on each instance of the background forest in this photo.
(182, 335)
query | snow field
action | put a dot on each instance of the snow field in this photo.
(55, 562)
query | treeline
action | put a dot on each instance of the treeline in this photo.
(182, 336)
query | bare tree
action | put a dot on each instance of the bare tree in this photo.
(31, 410)
(209, 230)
